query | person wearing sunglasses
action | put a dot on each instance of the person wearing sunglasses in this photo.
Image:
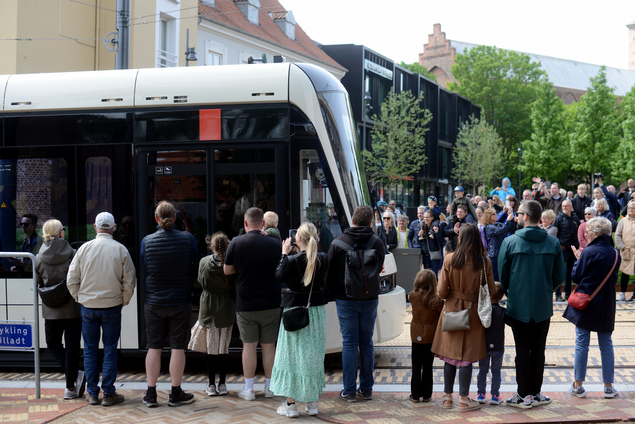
(32, 243)
(389, 232)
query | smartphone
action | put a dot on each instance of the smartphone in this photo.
(292, 234)
(507, 204)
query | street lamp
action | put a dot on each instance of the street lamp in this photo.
(190, 52)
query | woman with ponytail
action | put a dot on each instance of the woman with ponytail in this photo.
(213, 331)
(298, 370)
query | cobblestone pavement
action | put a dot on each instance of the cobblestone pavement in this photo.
(390, 403)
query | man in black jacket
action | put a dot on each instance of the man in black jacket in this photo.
(356, 316)
(567, 223)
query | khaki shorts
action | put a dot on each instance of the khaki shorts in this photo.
(258, 326)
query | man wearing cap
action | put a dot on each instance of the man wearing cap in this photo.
(460, 199)
(382, 207)
(102, 278)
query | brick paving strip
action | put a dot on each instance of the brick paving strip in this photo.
(20, 405)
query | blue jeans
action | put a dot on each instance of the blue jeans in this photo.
(357, 324)
(496, 358)
(582, 339)
(94, 321)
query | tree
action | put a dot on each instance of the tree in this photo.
(595, 136)
(417, 68)
(398, 142)
(546, 153)
(504, 84)
(477, 153)
(624, 167)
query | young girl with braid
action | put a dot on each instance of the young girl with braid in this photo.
(212, 332)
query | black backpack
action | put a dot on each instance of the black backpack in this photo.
(361, 278)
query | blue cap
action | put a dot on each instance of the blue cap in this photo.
(434, 199)
(382, 203)
(458, 188)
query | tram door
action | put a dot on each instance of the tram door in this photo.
(211, 189)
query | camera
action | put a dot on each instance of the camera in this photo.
(598, 175)
(292, 234)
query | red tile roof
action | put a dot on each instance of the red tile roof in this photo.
(226, 12)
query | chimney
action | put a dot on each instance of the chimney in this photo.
(631, 46)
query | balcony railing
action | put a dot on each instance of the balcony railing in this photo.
(166, 59)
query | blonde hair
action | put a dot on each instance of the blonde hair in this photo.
(51, 229)
(486, 218)
(549, 214)
(219, 242)
(165, 213)
(271, 219)
(496, 198)
(308, 233)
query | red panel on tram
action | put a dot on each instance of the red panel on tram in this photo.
(209, 124)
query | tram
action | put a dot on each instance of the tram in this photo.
(212, 140)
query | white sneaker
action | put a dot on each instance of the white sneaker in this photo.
(70, 394)
(269, 393)
(210, 390)
(290, 411)
(312, 408)
(610, 392)
(247, 394)
(222, 389)
(621, 297)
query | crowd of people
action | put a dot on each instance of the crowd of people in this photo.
(522, 249)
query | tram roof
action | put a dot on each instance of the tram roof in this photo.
(149, 87)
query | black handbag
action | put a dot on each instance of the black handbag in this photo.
(55, 295)
(297, 317)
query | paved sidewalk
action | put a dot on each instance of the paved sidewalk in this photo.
(20, 405)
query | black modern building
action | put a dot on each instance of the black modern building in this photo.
(370, 78)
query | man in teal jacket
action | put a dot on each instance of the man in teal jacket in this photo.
(531, 267)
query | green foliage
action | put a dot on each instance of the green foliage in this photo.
(595, 135)
(417, 68)
(546, 153)
(624, 164)
(477, 153)
(398, 145)
(504, 84)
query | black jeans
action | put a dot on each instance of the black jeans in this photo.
(421, 381)
(530, 338)
(465, 378)
(67, 354)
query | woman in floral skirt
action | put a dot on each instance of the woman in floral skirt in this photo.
(298, 369)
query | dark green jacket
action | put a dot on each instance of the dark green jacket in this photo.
(530, 267)
(217, 298)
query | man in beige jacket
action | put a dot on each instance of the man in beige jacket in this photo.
(102, 279)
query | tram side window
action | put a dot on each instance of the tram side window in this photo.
(98, 171)
(30, 185)
(318, 205)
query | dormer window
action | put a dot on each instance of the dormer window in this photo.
(286, 22)
(250, 9)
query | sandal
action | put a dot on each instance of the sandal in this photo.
(447, 401)
(468, 405)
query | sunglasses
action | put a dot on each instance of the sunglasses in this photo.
(24, 224)
(387, 219)
(521, 213)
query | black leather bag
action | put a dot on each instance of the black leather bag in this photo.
(295, 318)
(55, 295)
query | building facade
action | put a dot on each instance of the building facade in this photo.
(570, 78)
(370, 78)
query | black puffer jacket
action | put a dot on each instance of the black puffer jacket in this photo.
(169, 259)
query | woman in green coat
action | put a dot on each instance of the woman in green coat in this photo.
(212, 332)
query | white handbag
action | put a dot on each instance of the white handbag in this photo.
(484, 303)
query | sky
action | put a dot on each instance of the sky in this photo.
(588, 31)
